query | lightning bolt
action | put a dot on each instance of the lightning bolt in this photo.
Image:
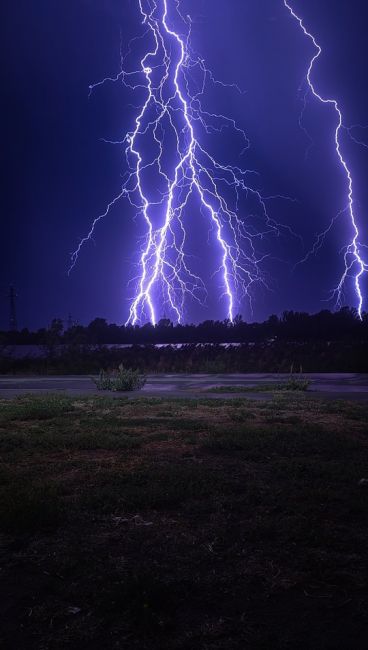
(354, 264)
(173, 177)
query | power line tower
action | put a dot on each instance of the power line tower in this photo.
(12, 295)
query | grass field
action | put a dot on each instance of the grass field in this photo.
(182, 524)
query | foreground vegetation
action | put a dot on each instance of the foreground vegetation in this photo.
(179, 524)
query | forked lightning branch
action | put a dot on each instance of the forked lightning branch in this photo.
(174, 178)
(171, 192)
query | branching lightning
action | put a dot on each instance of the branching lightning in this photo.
(354, 264)
(173, 177)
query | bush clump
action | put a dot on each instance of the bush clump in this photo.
(295, 383)
(122, 379)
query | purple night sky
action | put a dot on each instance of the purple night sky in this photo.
(59, 175)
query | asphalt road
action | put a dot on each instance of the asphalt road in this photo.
(326, 385)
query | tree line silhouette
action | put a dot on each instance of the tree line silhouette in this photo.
(323, 342)
(325, 325)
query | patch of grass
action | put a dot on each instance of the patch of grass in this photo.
(158, 437)
(30, 507)
(34, 407)
(169, 422)
(186, 424)
(148, 601)
(108, 440)
(95, 435)
(164, 414)
(260, 442)
(241, 415)
(157, 488)
(352, 410)
(291, 384)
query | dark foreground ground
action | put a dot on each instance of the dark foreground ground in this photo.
(159, 524)
(328, 385)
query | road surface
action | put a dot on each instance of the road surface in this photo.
(327, 385)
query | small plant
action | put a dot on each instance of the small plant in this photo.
(297, 382)
(121, 379)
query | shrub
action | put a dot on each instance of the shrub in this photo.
(121, 379)
(295, 383)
